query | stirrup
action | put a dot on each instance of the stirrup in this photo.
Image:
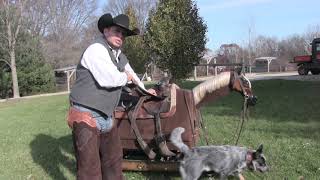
(163, 148)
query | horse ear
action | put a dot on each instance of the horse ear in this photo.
(243, 69)
(238, 70)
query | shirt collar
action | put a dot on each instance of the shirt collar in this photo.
(116, 52)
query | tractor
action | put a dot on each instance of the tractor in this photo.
(311, 62)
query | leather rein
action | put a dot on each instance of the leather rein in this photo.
(244, 112)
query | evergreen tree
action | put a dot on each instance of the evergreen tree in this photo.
(5, 81)
(5, 69)
(176, 37)
(35, 75)
(134, 47)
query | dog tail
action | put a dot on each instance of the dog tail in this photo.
(176, 139)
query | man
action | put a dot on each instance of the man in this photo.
(101, 73)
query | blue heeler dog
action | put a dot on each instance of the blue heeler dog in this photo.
(223, 160)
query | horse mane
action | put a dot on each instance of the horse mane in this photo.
(209, 86)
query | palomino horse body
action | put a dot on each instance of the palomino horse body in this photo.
(181, 109)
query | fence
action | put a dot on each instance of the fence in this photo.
(214, 69)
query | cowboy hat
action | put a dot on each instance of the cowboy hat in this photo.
(121, 20)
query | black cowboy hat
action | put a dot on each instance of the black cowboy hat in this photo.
(121, 20)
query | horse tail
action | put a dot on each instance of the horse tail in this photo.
(176, 139)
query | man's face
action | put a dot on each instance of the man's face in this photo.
(115, 36)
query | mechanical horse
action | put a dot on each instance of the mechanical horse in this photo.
(147, 125)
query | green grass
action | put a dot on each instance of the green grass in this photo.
(35, 141)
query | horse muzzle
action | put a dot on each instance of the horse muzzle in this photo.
(252, 100)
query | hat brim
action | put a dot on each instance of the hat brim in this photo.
(129, 32)
(106, 20)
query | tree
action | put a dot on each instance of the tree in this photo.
(231, 51)
(141, 9)
(65, 32)
(38, 17)
(292, 46)
(5, 75)
(312, 32)
(134, 47)
(62, 26)
(11, 18)
(5, 82)
(176, 37)
(265, 46)
(251, 35)
(35, 75)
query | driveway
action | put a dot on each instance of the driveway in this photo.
(293, 75)
(282, 75)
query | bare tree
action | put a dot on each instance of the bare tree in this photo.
(231, 51)
(292, 46)
(141, 8)
(265, 46)
(11, 18)
(66, 30)
(251, 34)
(312, 32)
(38, 16)
(115, 7)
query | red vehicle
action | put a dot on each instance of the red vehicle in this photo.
(311, 62)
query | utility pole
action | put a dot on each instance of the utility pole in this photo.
(249, 51)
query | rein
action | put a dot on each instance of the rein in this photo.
(244, 111)
(240, 124)
(243, 115)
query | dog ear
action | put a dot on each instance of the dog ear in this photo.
(259, 150)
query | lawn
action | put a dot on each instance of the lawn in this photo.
(35, 141)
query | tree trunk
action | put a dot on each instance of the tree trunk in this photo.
(12, 35)
(15, 85)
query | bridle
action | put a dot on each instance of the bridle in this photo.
(243, 89)
(249, 99)
(244, 107)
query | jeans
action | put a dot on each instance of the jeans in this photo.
(104, 122)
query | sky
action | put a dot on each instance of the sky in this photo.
(228, 21)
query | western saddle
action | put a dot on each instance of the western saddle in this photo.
(145, 107)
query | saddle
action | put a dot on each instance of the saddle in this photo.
(152, 104)
(150, 107)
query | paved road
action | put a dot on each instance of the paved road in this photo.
(283, 75)
(277, 75)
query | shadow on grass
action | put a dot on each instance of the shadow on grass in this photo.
(52, 153)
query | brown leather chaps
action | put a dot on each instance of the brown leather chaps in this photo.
(98, 155)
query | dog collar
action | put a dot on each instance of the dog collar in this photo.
(249, 157)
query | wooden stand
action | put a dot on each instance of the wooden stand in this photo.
(147, 165)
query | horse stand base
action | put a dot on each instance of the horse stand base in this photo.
(147, 165)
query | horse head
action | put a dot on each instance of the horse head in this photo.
(221, 84)
(240, 83)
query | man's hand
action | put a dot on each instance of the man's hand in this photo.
(152, 91)
(129, 76)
